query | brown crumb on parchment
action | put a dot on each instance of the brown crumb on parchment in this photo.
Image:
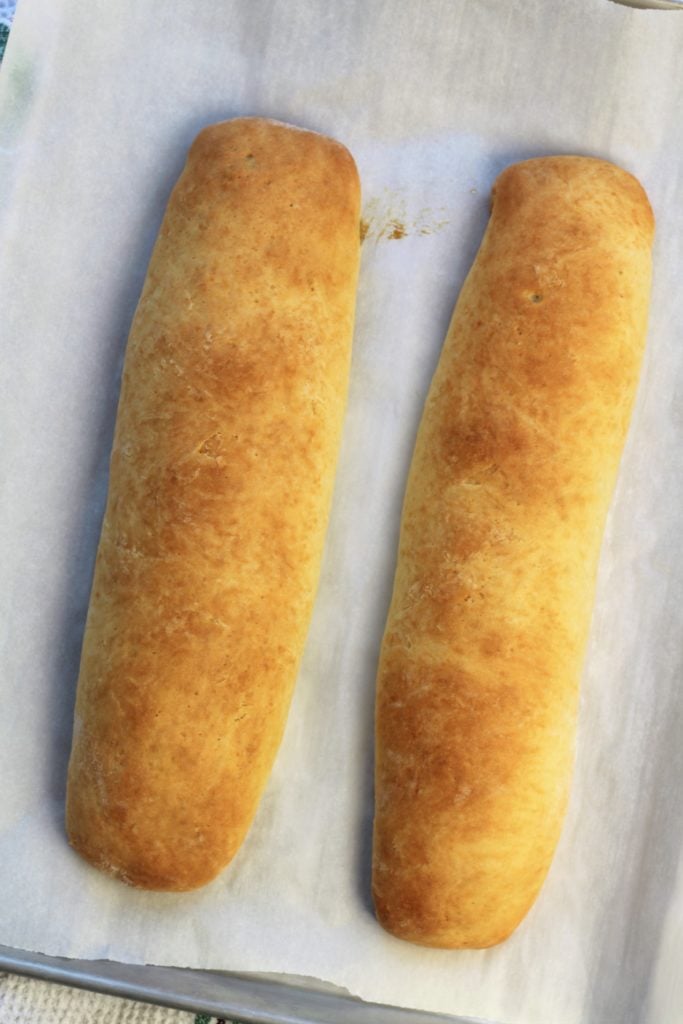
(385, 218)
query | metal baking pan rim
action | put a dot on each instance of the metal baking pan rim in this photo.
(250, 998)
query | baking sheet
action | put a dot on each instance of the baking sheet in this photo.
(98, 104)
(261, 999)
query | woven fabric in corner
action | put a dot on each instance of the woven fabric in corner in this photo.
(26, 1001)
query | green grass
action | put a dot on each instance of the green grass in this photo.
(203, 1018)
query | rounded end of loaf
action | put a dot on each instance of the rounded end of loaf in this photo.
(614, 195)
(429, 908)
(154, 872)
(149, 835)
(287, 147)
(161, 840)
(435, 934)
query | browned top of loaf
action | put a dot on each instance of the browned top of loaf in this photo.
(221, 476)
(512, 475)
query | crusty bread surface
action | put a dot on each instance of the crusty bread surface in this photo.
(222, 469)
(512, 475)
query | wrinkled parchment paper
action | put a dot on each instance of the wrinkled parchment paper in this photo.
(98, 104)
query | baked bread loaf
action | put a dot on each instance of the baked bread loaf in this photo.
(222, 469)
(514, 466)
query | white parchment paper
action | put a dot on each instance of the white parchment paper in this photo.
(98, 104)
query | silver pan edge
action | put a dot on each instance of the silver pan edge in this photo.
(249, 998)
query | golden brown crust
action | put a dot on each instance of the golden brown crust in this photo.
(511, 478)
(229, 421)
